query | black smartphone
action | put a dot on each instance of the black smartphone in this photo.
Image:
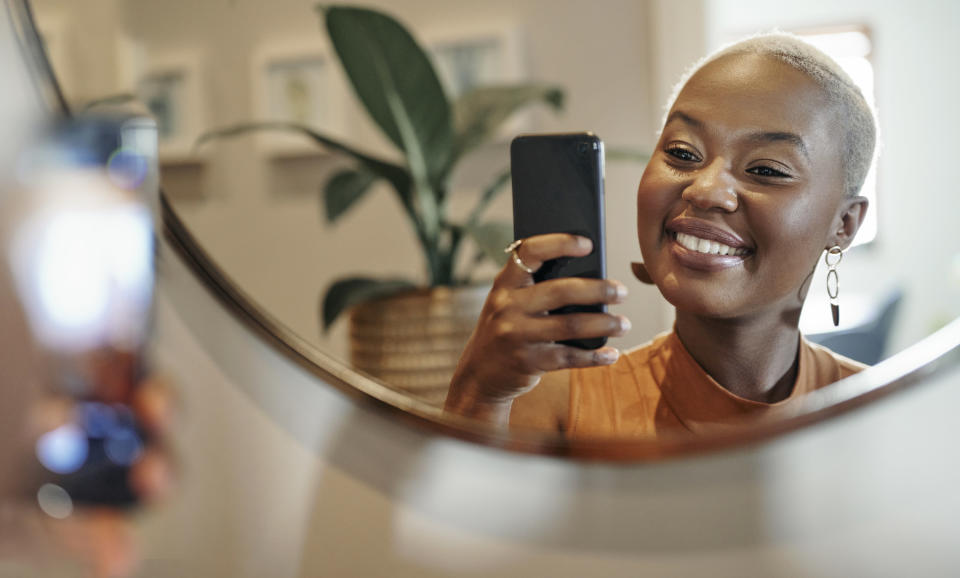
(558, 188)
(82, 255)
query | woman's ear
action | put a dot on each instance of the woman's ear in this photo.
(849, 217)
(641, 273)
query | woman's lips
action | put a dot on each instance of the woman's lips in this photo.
(708, 231)
(705, 247)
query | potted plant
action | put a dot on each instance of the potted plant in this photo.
(403, 333)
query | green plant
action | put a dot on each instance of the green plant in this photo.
(398, 86)
(393, 78)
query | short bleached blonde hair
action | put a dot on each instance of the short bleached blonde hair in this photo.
(855, 115)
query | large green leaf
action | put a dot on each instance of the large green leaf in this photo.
(394, 79)
(491, 237)
(395, 174)
(479, 113)
(345, 293)
(344, 189)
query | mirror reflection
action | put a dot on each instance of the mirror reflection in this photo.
(287, 218)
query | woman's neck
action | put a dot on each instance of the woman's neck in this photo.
(756, 359)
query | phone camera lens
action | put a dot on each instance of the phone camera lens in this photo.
(583, 148)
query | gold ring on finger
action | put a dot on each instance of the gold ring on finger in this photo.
(512, 248)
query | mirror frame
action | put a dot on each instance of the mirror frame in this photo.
(929, 357)
(45, 81)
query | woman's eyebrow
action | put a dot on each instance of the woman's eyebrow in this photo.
(780, 136)
(685, 118)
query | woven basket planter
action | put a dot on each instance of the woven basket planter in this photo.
(412, 340)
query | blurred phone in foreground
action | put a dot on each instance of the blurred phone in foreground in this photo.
(78, 238)
(558, 188)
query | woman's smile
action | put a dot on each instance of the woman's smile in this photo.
(700, 245)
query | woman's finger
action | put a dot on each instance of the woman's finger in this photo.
(573, 326)
(551, 357)
(556, 293)
(152, 477)
(536, 250)
(155, 404)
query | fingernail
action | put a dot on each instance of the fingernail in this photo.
(625, 324)
(608, 355)
(621, 290)
(585, 243)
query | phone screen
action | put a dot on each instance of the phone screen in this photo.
(558, 188)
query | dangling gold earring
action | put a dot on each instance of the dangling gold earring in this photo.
(641, 273)
(832, 258)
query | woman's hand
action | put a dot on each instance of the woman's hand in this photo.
(100, 538)
(514, 341)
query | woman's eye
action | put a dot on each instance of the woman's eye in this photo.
(682, 154)
(764, 171)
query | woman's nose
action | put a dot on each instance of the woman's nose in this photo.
(713, 187)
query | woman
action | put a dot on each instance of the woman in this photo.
(755, 176)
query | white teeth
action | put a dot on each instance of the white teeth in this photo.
(704, 246)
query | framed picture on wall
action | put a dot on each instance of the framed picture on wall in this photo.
(464, 65)
(169, 86)
(482, 54)
(297, 82)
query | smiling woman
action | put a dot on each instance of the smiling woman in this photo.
(752, 180)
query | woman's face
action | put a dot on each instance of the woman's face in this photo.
(742, 194)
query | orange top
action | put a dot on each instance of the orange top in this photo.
(659, 387)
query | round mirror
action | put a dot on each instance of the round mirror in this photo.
(288, 186)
